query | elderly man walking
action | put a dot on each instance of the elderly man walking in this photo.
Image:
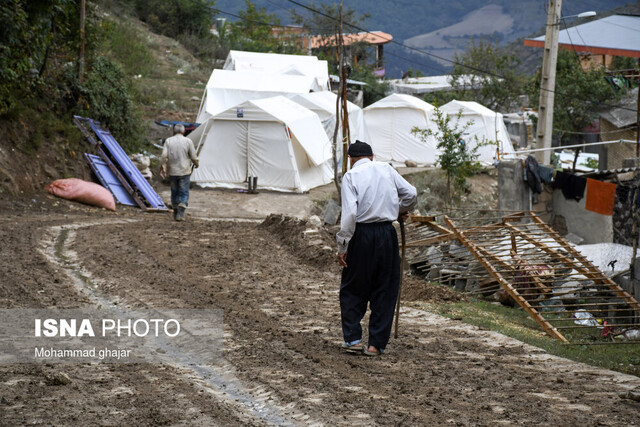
(177, 154)
(373, 196)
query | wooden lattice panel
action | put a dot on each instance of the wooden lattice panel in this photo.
(522, 258)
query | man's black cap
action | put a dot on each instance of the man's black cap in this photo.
(360, 149)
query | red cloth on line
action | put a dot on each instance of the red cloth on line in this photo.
(601, 196)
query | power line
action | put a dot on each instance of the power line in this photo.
(277, 5)
(268, 24)
(439, 57)
(621, 26)
(626, 129)
(424, 52)
(413, 61)
(402, 45)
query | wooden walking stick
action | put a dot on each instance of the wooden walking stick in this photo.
(402, 237)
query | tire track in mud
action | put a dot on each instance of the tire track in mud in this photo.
(283, 331)
(252, 405)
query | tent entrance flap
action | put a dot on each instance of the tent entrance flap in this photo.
(269, 157)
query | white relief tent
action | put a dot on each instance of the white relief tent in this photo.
(274, 139)
(278, 63)
(487, 125)
(324, 105)
(227, 89)
(390, 122)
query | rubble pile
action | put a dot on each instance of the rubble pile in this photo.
(517, 259)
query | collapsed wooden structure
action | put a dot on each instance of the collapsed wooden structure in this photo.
(522, 260)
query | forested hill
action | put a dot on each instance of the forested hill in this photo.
(408, 18)
(418, 22)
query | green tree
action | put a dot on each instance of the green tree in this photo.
(497, 88)
(579, 95)
(455, 157)
(30, 31)
(106, 96)
(326, 22)
(176, 17)
(253, 32)
(357, 55)
(375, 89)
(623, 63)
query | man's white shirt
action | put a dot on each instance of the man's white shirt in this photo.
(372, 192)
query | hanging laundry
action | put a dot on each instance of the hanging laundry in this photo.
(533, 179)
(601, 196)
(572, 186)
(635, 198)
(546, 174)
(623, 193)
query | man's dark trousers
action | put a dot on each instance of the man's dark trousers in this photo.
(372, 275)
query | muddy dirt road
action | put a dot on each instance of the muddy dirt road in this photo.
(282, 364)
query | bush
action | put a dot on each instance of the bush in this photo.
(375, 89)
(176, 17)
(30, 33)
(106, 96)
(456, 158)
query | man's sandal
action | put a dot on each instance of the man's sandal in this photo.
(354, 348)
(372, 353)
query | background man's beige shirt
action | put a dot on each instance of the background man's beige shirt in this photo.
(177, 154)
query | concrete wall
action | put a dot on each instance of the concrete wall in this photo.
(517, 133)
(591, 226)
(513, 191)
(615, 154)
(513, 194)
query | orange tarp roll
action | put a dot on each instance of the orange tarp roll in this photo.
(601, 196)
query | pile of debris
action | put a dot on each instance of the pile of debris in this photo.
(517, 259)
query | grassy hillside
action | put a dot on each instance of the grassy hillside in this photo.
(162, 79)
(168, 79)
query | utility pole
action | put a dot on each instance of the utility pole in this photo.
(344, 116)
(637, 77)
(548, 82)
(81, 53)
(339, 42)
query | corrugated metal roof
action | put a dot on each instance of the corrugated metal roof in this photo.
(372, 37)
(611, 171)
(420, 85)
(614, 35)
(623, 113)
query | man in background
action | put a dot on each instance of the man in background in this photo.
(373, 196)
(177, 154)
